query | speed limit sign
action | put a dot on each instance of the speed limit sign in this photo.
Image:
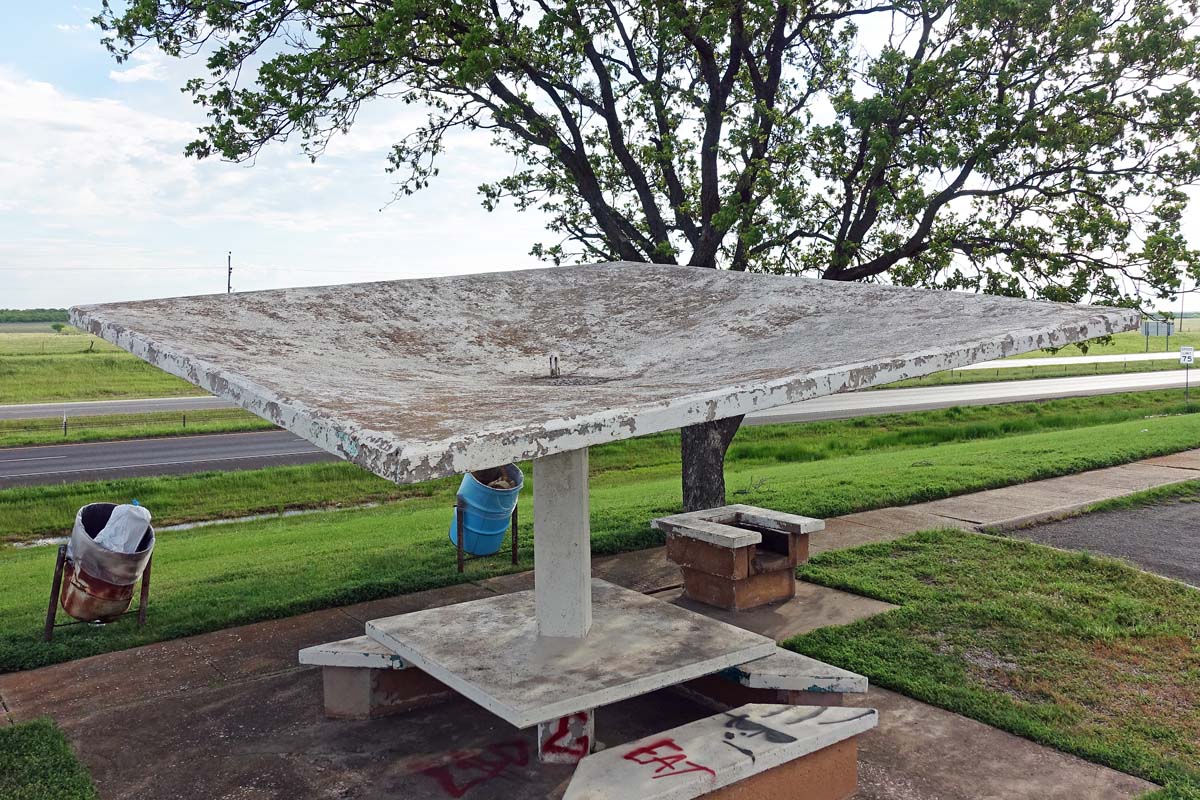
(1187, 356)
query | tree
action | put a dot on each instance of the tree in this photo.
(59, 327)
(1021, 147)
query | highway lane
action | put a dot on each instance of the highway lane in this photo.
(232, 451)
(68, 463)
(89, 408)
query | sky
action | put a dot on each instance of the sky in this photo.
(98, 202)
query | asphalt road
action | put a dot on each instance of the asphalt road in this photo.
(1162, 539)
(63, 463)
(91, 408)
(26, 466)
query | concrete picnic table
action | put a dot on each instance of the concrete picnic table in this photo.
(421, 379)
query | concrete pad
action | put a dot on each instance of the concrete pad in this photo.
(267, 647)
(432, 598)
(645, 571)
(1189, 459)
(265, 739)
(795, 672)
(982, 508)
(489, 651)
(503, 584)
(905, 520)
(715, 752)
(920, 752)
(74, 689)
(841, 533)
(1139, 477)
(813, 607)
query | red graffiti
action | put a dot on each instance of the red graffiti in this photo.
(473, 769)
(581, 746)
(668, 762)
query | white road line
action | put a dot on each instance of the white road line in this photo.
(161, 464)
(36, 458)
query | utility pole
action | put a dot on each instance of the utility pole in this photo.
(229, 274)
(1181, 277)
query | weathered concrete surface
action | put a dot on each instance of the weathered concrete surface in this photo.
(920, 752)
(795, 672)
(1163, 539)
(489, 650)
(813, 607)
(563, 559)
(356, 652)
(714, 752)
(424, 378)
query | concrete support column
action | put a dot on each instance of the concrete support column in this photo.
(562, 554)
(567, 740)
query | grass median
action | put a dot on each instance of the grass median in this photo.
(120, 427)
(215, 577)
(1085, 654)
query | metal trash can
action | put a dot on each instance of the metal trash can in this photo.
(486, 509)
(98, 583)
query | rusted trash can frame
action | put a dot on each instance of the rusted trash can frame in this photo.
(463, 558)
(56, 592)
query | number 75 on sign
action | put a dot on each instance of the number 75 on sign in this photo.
(1187, 356)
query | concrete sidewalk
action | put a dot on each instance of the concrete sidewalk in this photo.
(231, 713)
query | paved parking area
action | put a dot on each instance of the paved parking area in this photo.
(1163, 539)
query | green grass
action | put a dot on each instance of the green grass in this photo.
(47, 343)
(84, 376)
(1131, 342)
(36, 763)
(1180, 492)
(1081, 653)
(215, 577)
(954, 377)
(31, 512)
(118, 427)
(51, 367)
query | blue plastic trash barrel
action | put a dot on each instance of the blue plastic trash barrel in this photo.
(486, 509)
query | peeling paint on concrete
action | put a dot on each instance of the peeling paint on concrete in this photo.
(420, 379)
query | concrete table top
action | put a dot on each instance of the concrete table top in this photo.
(420, 379)
(489, 651)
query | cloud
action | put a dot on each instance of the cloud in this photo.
(150, 66)
(93, 189)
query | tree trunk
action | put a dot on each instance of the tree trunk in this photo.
(703, 449)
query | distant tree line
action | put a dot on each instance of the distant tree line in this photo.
(33, 315)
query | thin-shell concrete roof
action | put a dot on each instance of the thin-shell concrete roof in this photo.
(418, 379)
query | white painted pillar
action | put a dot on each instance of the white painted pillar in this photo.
(562, 554)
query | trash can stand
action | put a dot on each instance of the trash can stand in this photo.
(56, 590)
(94, 584)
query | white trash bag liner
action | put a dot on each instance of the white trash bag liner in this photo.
(122, 528)
(125, 529)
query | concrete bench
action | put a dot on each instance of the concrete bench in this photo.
(764, 751)
(784, 677)
(363, 679)
(738, 557)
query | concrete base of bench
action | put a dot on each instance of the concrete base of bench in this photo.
(754, 752)
(364, 680)
(738, 557)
